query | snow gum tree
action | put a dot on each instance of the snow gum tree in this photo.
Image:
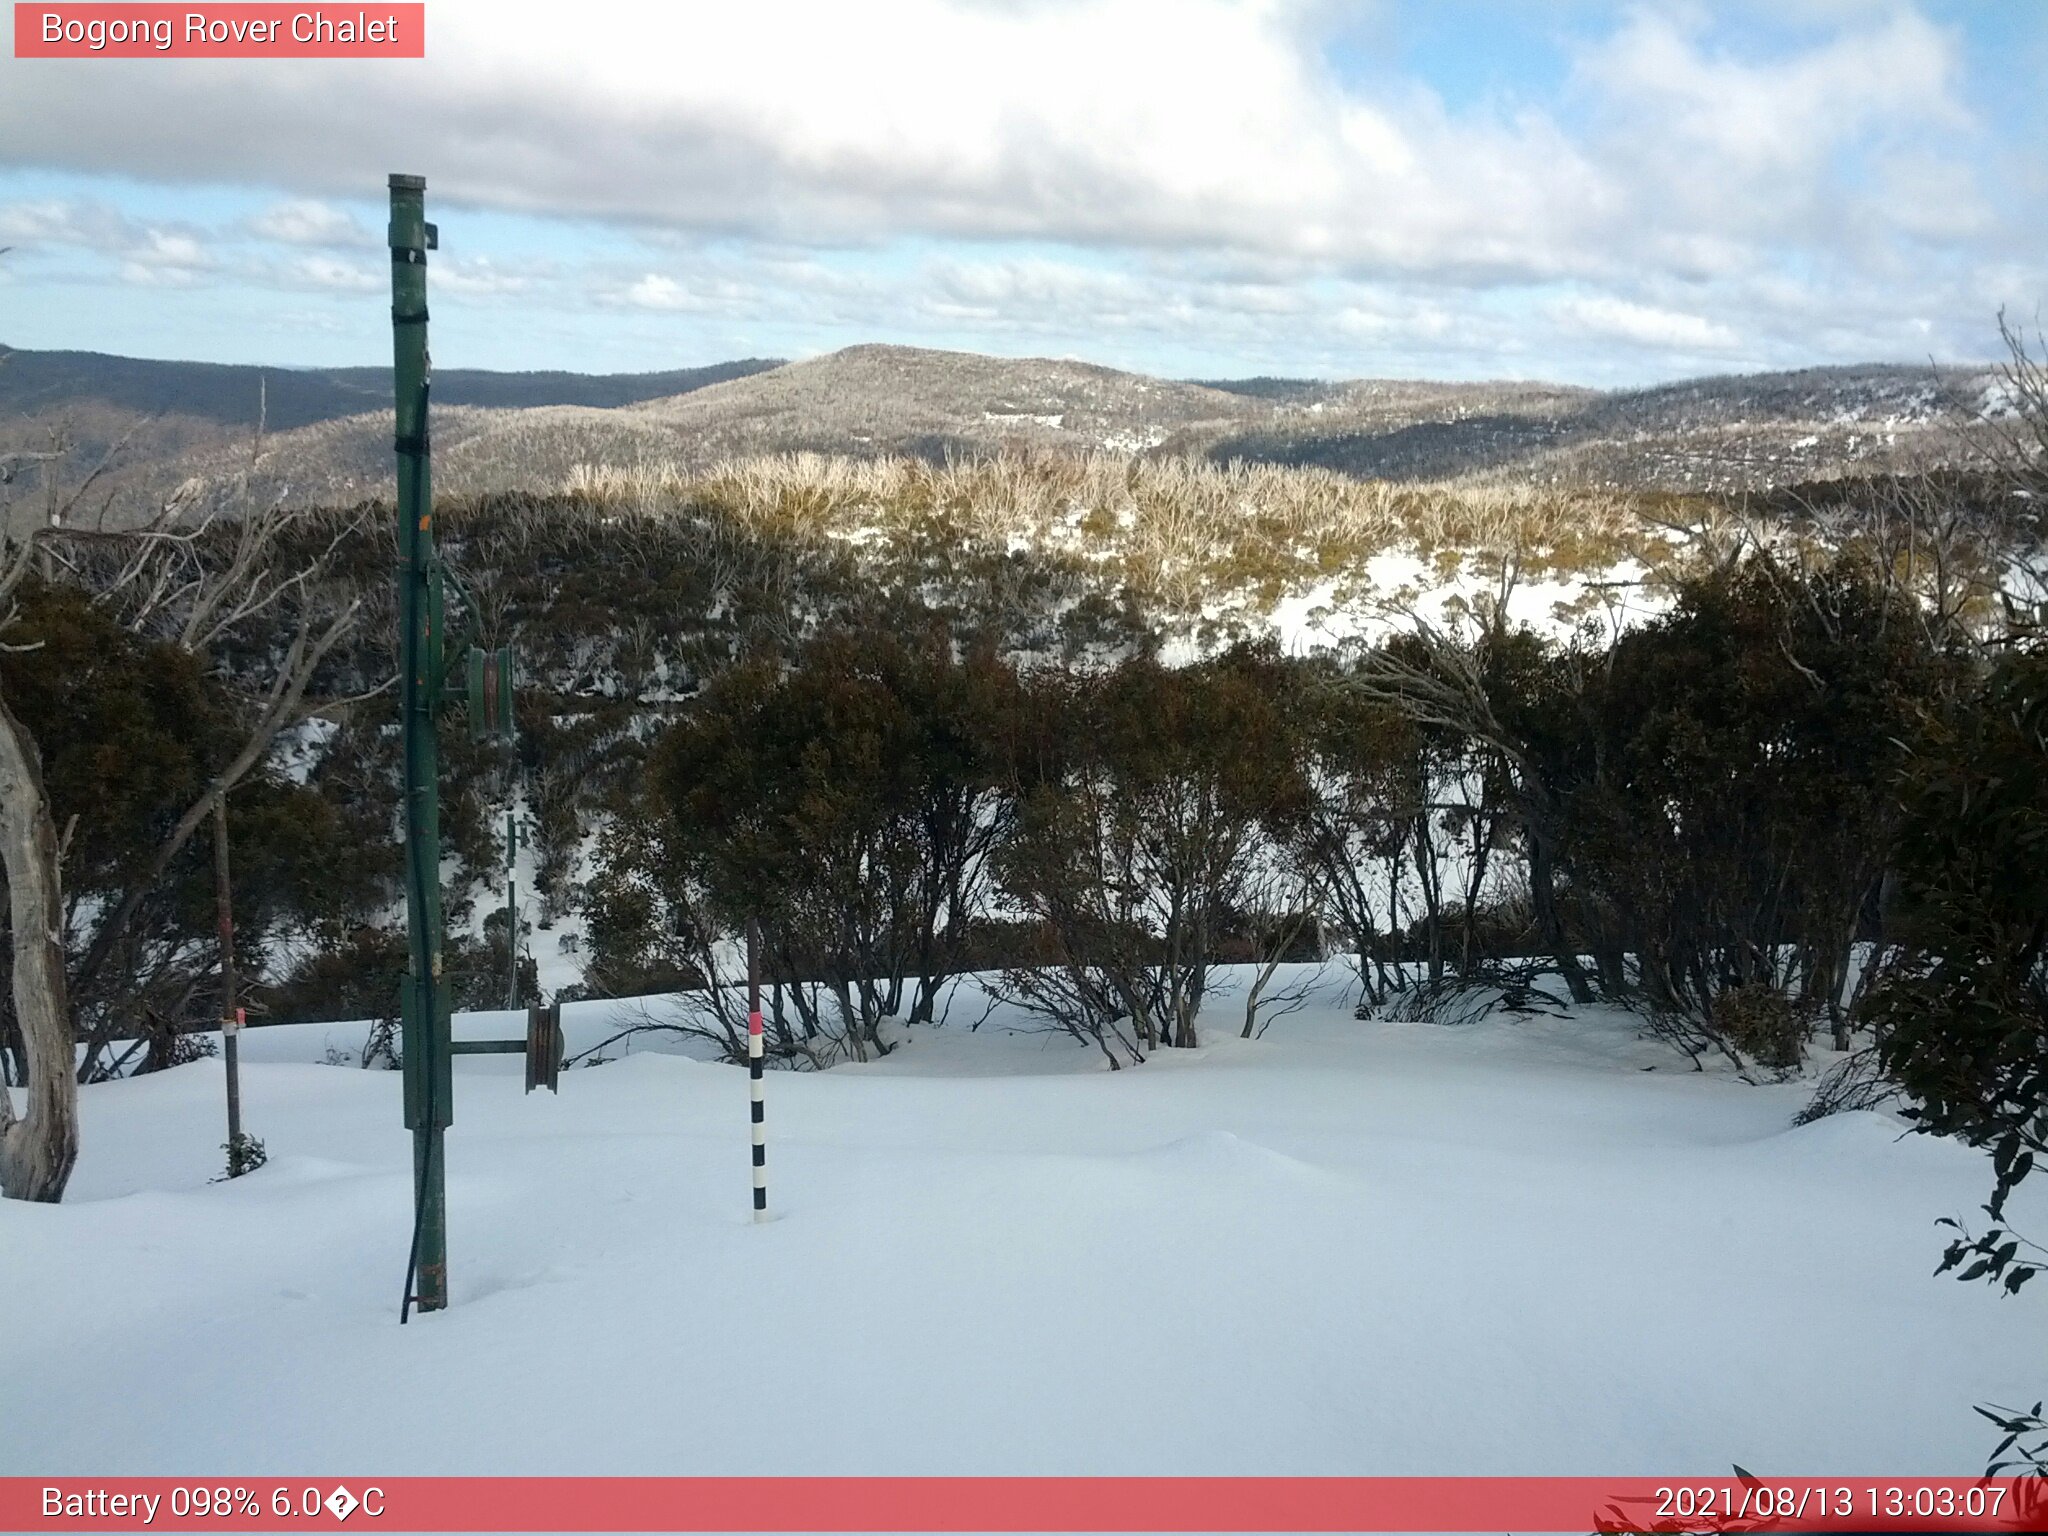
(1730, 804)
(1349, 837)
(848, 803)
(1961, 1008)
(190, 586)
(38, 1144)
(1141, 839)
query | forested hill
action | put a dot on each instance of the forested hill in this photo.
(231, 394)
(160, 426)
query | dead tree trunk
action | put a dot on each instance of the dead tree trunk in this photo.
(38, 1147)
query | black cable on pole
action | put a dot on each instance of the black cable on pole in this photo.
(419, 1210)
(421, 1179)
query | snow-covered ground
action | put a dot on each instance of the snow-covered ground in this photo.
(1343, 1248)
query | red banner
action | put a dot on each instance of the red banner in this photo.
(214, 31)
(1024, 1504)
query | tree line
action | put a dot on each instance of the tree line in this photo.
(1732, 817)
(1705, 817)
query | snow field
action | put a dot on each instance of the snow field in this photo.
(1344, 1248)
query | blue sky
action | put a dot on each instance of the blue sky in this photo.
(1589, 192)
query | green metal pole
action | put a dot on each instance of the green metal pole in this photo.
(426, 1047)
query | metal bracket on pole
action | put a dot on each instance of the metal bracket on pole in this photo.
(490, 694)
(545, 1048)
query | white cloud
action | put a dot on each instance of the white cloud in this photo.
(145, 275)
(1785, 112)
(1191, 170)
(1932, 196)
(1031, 285)
(1163, 123)
(1712, 142)
(169, 248)
(1644, 325)
(1375, 322)
(308, 221)
(329, 272)
(142, 253)
(657, 292)
(91, 225)
(477, 278)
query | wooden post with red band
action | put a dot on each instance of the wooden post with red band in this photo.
(754, 1054)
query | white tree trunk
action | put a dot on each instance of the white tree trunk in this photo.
(37, 1148)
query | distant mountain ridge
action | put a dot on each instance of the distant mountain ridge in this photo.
(231, 394)
(328, 430)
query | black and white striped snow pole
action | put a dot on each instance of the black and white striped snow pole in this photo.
(754, 1053)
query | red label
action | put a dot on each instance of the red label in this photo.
(1571, 1504)
(261, 31)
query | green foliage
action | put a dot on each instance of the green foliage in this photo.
(302, 865)
(1139, 821)
(1704, 807)
(360, 977)
(129, 729)
(1724, 779)
(381, 1046)
(1962, 1008)
(132, 730)
(1357, 759)
(1761, 1023)
(357, 978)
(245, 1155)
(2022, 1453)
(843, 804)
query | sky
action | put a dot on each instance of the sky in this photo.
(1594, 193)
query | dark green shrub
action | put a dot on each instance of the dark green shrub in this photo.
(1962, 1009)
(1761, 1023)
